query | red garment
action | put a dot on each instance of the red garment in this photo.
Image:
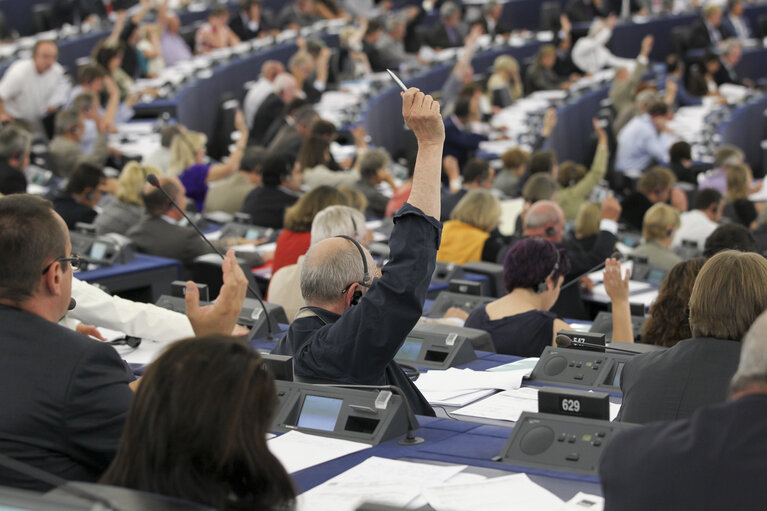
(290, 246)
(399, 197)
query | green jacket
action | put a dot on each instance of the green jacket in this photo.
(571, 198)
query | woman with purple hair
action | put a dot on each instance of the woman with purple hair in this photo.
(520, 322)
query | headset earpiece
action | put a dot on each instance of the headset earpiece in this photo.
(541, 287)
(357, 295)
(550, 231)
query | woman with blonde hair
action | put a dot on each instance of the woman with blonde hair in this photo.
(659, 225)
(188, 156)
(466, 236)
(124, 209)
(505, 76)
(738, 207)
(296, 236)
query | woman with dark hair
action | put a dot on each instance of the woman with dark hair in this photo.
(669, 320)
(296, 236)
(197, 429)
(314, 162)
(520, 323)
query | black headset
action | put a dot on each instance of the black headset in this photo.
(366, 275)
(550, 232)
(541, 286)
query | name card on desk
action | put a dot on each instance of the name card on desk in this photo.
(556, 442)
(436, 346)
(369, 416)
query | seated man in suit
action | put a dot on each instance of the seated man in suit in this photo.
(460, 142)
(65, 396)
(579, 11)
(727, 297)
(14, 158)
(285, 89)
(161, 233)
(707, 31)
(445, 33)
(478, 175)
(354, 324)
(732, 51)
(248, 24)
(490, 21)
(65, 148)
(76, 201)
(714, 460)
(281, 188)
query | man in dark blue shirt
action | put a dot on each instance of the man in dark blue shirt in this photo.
(353, 325)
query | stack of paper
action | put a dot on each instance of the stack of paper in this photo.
(380, 480)
(467, 379)
(297, 451)
(506, 406)
(515, 491)
(455, 397)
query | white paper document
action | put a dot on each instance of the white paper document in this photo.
(455, 397)
(297, 451)
(515, 491)
(584, 502)
(525, 365)
(376, 479)
(468, 379)
(505, 406)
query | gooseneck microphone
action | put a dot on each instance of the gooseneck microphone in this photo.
(564, 341)
(615, 255)
(152, 180)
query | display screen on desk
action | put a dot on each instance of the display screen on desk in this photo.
(98, 250)
(320, 413)
(252, 234)
(410, 350)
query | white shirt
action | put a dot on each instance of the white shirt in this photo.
(253, 99)
(591, 55)
(95, 307)
(26, 94)
(695, 226)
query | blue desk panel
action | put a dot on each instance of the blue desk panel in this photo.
(143, 272)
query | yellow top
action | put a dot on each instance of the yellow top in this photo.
(461, 243)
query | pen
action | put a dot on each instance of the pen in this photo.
(397, 80)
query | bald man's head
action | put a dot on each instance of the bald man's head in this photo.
(329, 268)
(545, 219)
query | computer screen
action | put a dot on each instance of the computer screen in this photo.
(98, 250)
(410, 350)
(320, 413)
(252, 234)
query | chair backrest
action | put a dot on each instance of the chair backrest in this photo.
(550, 12)
(680, 37)
(218, 146)
(502, 97)
(41, 17)
(761, 26)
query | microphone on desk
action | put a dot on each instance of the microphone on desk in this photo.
(152, 180)
(564, 341)
(410, 438)
(615, 255)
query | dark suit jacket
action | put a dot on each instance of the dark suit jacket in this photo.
(70, 210)
(376, 58)
(242, 30)
(727, 75)
(579, 11)
(714, 460)
(64, 402)
(12, 180)
(155, 236)
(500, 27)
(272, 108)
(449, 202)
(633, 209)
(699, 36)
(266, 206)
(437, 37)
(673, 383)
(460, 143)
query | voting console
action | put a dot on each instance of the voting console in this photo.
(580, 368)
(363, 415)
(557, 442)
(438, 346)
(447, 299)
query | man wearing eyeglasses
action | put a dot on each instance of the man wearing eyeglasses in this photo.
(63, 396)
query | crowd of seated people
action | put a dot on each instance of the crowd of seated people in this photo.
(545, 222)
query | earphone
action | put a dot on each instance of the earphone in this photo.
(366, 275)
(541, 286)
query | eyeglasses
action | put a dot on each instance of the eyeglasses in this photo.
(74, 261)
